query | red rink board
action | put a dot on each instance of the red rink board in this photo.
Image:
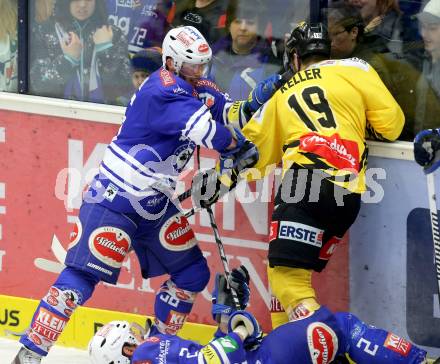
(36, 148)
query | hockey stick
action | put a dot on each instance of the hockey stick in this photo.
(220, 246)
(224, 259)
(434, 225)
(230, 178)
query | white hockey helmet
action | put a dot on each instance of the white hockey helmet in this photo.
(107, 344)
(185, 44)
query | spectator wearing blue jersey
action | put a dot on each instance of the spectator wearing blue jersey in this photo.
(75, 54)
(143, 22)
(322, 337)
(128, 205)
(243, 57)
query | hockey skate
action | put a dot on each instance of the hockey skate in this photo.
(26, 356)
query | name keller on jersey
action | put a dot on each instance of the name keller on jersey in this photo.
(310, 74)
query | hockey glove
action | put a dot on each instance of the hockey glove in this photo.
(262, 92)
(244, 155)
(222, 301)
(205, 188)
(427, 149)
(239, 281)
(246, 319)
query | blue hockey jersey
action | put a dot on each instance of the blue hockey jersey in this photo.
(162, 125)
(295, 342)
(174, 350)
(144, 22)
(317, 339)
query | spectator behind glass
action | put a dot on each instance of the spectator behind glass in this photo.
(410, 26)
(346, 30)
(43, 10)
(76, 55)
(382, 24)
(208, 16)
(8, 45)
(143, 64)
(429, 20)
(241, 59)
(282, 16)
(143, 22)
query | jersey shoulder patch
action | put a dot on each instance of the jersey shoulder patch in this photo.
(169, 84)
(166, 78)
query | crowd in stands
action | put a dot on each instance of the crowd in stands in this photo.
(8, 46)
(76, 47)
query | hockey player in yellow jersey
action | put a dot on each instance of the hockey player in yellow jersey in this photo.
(316, 125)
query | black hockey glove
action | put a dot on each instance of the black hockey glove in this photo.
(205, 188)
(222, 301)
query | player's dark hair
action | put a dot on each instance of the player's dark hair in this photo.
(346, 16)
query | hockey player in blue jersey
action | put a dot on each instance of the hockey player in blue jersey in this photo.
(322, 338)
(124, 208)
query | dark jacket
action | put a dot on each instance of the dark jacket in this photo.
(406, 83)
(101, 75)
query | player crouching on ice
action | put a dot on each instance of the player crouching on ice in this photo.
(321, 338)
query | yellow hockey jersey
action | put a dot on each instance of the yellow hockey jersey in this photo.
(319, 119)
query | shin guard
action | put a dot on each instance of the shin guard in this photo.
(73, 288)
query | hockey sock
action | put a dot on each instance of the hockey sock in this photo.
(72, 288)
(278, 316)
(172, 307)
(293, 288)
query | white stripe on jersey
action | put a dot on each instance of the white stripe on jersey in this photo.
(130, 174)
(203, 130)
(134, 162)
(221, 351)
(124, 186)
(226, 108)
(193, 119)
(208, 142)
(200, 359)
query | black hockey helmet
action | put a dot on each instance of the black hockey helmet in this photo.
(307, 40)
